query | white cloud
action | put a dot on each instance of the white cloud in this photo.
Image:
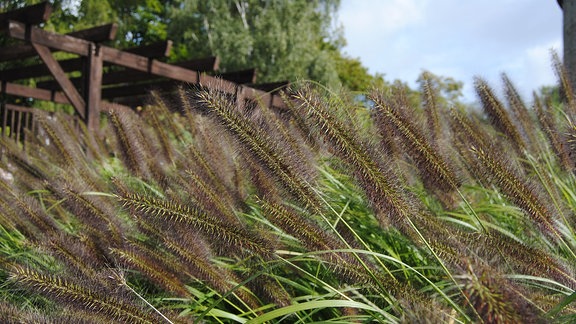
(380, 17)
(455, 38)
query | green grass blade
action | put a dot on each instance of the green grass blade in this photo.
(311, 305)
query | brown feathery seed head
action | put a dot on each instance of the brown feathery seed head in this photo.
(431, 108)
(222, 233)
(435, 169)
(74, 253)
(130, 141)
(259, 144)
(522, 192)
(526, 124)
(380, 185)
(80, 296)
(498, 115)
(565, 85)
(68, 153)
(494, 298)
(551, 130)
(158, 267)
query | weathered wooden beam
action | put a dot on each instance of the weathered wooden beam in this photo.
(75, 64)
(148, 65)
(206, 64)
(129, 75)
(32, 15)
(69, 90)
(96, 34)
(210, 81)
(111, 55)
(271, 86)
(277, 102)
(40, 37)
(255, 94)
(115, 77)
(155, 50)
(240, 77)
(18, 108)
(35, 93)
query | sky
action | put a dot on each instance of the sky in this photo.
(456, 38)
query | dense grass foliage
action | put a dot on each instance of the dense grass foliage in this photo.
(198, 209)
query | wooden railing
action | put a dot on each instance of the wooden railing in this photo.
(16, 120)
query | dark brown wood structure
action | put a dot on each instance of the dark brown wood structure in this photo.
(100, 73)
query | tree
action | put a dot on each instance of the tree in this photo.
(355, 76)
(283, 40)
(447, 89)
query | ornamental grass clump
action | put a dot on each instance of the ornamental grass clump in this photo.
(205, 208)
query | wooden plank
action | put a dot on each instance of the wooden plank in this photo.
(207, 64)
(240, 77)
(18, 108)
(145, 64)
(270, 87)
(257, 95)
(55, 41)
(155, 50)
(32, 15)
(67, 87)
(125, 59)
(210, 81)
(96, 34)
(35, 93)
(277, 102)
(115, 77)
(128, 75)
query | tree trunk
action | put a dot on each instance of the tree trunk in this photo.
(569, 9)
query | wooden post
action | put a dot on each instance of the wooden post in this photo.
(569, 35)
(93, 88)
(3, 107)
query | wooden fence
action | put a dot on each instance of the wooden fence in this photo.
(99, 73)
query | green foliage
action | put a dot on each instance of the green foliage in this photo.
(354, 76)
(283, 40)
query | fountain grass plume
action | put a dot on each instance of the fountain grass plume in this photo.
(432, 109)
(491, 165)
(271, 156)
(235, 238)
(80, 296)
(435, 169)
(131, 144)
(381, 186)
(498, 115)
(527, 126)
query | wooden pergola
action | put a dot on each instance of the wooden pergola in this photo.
(100, 73)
